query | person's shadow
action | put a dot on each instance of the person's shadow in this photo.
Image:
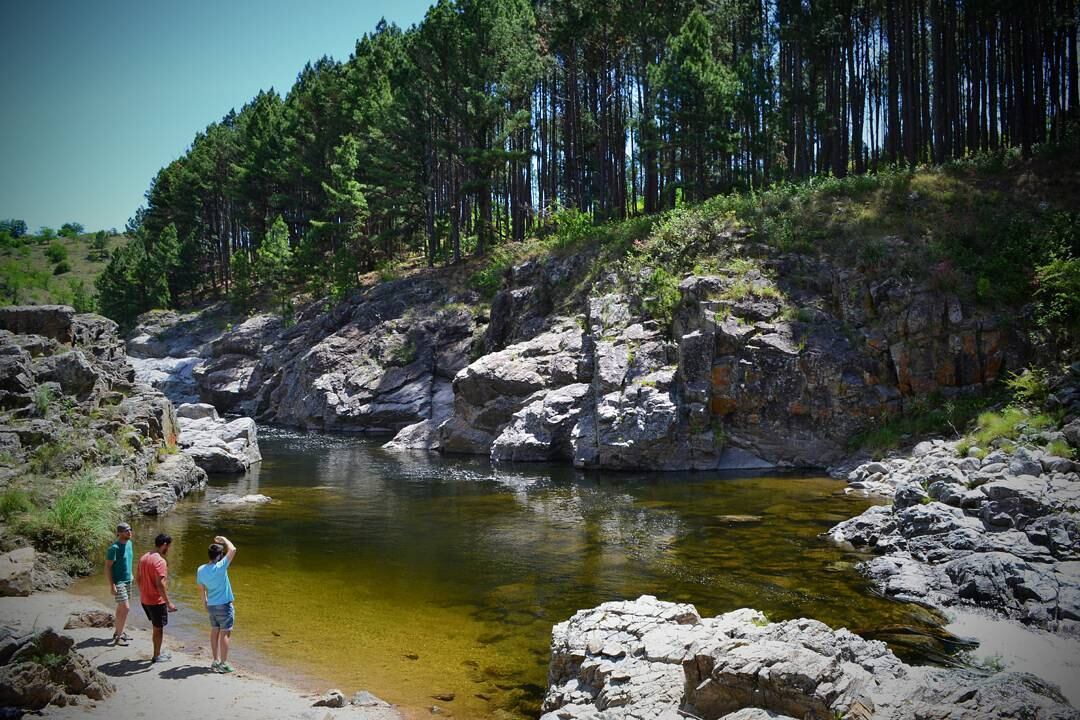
(95, 642)
(184, 671)
(125, 668)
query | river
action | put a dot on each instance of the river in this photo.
(413, 575)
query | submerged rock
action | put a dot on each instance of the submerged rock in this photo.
(651, 659)
(233, 499)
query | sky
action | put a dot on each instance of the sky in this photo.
(97, 95)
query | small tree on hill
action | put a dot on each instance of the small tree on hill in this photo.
(242, 291)
(71, 229)
(56, 252)
(272, 261)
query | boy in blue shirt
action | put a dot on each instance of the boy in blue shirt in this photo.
(217, 596)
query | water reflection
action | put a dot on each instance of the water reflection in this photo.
(413, 574)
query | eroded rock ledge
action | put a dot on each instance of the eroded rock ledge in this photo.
(999, 532)
(651, 659)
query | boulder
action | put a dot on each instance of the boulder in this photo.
(647, 658)
(27, 682)
(172, 479)
(217, 445)
(331, 698)
(17, 572)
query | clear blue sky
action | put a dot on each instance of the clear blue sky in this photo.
(96, 96)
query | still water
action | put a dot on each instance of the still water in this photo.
(412, 575)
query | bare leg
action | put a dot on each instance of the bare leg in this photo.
(226, 636)
(159, 633)
(121, 617)
(215, 635)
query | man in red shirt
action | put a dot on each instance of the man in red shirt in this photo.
(154, 592)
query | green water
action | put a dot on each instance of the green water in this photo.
(410, 575)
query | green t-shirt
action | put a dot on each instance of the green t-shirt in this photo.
(120, 553)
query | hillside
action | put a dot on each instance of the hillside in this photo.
(28, 276)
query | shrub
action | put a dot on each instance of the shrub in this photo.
(1061, 448)
(15, 501)
(488, 280)
(662, 295)
(993, 425)
(75, 523)
(1029, 387)
(42, 400)
(56, 252)
(62, 267)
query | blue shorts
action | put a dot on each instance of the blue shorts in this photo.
(221, 616)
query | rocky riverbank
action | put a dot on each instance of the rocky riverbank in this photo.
(651, 659)
(75, 669)
(992, 527)
(73, 415)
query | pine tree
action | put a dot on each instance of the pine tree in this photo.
(272, 263)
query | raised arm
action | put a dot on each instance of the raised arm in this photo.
(230, 549)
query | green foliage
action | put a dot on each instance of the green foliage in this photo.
(42, 399)
(136, 279)
(661, 295)
(13, 227)
(488, 280)
(1060, 448)
(49, 458)
(404, 353)
(62, 267)
(71, 230)
(1029, 387)
(921, 419)
(56, 252)
(272, 262)
(99, 244)
(45, 234)
(242, 290)
(15, 501)
(1058, 295)
(76, 522)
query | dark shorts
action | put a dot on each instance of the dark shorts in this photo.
(158, 614)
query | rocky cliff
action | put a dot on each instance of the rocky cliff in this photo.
(70, 407)
(777, 360)
(779, 363)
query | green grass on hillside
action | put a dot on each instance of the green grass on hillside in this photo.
(29, 277)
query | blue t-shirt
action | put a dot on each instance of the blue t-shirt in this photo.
(215, 577)
(120, 554)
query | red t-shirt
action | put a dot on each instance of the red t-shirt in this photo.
(151, 567)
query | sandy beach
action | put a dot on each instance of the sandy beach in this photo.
(181, 688)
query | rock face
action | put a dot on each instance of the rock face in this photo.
(17, 572)
(379, 361)
(214, 444)
(754, 372)
(652, 659)
(1000, 532)
(70, 404)
(43, 668)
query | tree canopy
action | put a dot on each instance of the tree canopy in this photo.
(472, 127)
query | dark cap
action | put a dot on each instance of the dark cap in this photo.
(123, 527)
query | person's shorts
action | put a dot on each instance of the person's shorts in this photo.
(123, 592)
(221, 616)
(157, 614)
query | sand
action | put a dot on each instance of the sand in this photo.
(182, 688)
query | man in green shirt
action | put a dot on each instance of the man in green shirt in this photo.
(118, 570)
